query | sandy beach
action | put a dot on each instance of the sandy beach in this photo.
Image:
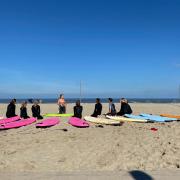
(132, 146)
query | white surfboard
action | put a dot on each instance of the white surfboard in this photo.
(101, 120)
(123, 119)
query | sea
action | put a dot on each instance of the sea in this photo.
(92, 100)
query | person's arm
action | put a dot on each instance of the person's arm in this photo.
(39, 110)
(100, 109)
(81, 109)
(34, 111)
(110, 108)
(95, 109)
(74, 110)
(58, 102)
(65, 103)
(129, 109)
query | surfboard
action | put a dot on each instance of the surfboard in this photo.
(134, 116)
(170, 116)
(9, 120)
(48, 122)
(124, 119)
(157, 118)
(17, 124)
(101, 120)
(58, 115)
(78, 122)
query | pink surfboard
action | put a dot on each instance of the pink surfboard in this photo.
(9, 120)
(78, 122)
(48, 122)
(17, 124)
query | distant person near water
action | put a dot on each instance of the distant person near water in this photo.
(112, 108)
(62, 104)
(11, 109)
(78, 110)
(98, 108)
(36, 110)
(23, 110)
(125, 108)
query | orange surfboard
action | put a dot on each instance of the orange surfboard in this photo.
(170, 116)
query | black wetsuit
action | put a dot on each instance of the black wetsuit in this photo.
(78, 111)
(23, 112)
(62, 109)
(36, 111)
(97, 110)
(125, 109)
(11, 110)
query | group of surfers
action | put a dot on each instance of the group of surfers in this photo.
(78, 108)
(125, 107)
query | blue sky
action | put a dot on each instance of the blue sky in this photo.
(117, 48)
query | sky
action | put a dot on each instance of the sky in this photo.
(117, 48)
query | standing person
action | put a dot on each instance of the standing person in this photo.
(125, 107)
(98, 108)
(112, 108)
(78, 110)
(36, 110)
(11, 109)
(62, 104)
(23, 110)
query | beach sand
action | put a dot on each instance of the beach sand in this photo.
(132, 146)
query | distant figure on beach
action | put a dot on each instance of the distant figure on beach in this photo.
(23, 110)
(36, 110)
(112, 108)
(11, 109)
(78, 110)
(125, 107)
(62, 104)
(98, 108)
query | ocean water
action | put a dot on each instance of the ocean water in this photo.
(92, 100)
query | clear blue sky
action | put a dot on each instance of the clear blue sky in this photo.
(128, 48)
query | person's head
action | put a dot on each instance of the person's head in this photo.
(24, 104)
(13, 101)
(36, 103)
(123, 101)
(78, 103)
(98, 100)
(110, 100)
(61, 96)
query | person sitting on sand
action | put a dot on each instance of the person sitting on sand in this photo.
(62, 104)
(11, 109)
(112, 108)
(23, 110)
(125, 108)
(36, 110)
(98, 108)
(78, 110)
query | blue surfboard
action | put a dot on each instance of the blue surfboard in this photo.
(135, 117)
(157, 118)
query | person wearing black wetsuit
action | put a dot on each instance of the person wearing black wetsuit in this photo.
(98, 108)
(23, 111)
(125, 108)
(11, 109)
(78, 110)
(36, 110)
